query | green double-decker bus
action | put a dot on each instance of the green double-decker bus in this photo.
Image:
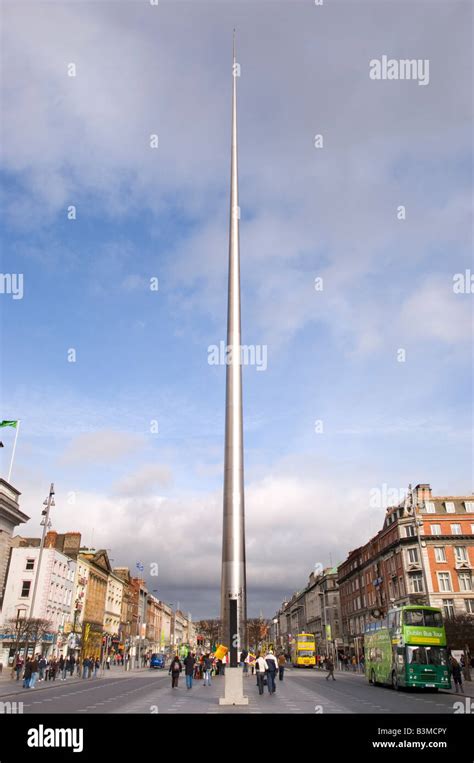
(408, 649)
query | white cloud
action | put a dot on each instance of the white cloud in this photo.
(104, 447)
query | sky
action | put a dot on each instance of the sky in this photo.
(368, 380)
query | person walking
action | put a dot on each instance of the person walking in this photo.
(53, 669)
(108, 662)
(207, 669)
(85, 667)
(245, 661)
(189, 663)
(261, 668)
(18, 667)
(272, 667)
(330, 669)
(96, 667)
(72, 664)
(34, 672)
(41, 668)
(457, 675)
(281, 666)
(27, 674)
(174, 671)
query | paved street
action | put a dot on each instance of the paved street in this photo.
(150, 692)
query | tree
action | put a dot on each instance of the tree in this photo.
(209, 629)
(257, 629)
(460, 635)
(26, 631)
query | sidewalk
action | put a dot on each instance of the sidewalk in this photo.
(12, 686)
(468, 686)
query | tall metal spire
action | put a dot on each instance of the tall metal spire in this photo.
(233, 590)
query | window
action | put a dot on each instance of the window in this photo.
(450, 507)
(448, 607)
(469, 505)
(456, 530)
(424, 617)
(469, 604)
(412, 555)
(444, 581)
(416, 582)
(430, 507)
(461, 554)
(25, 588)
(427, 655)
(30, 564)
(440, 554)
(435, 529)
(410, 531)
(465, 582)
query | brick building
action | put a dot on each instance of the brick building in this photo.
(424, 554)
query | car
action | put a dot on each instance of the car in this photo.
(157, 661)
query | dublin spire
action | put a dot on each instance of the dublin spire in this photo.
(233, 587)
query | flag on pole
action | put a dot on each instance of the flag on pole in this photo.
(9, 424)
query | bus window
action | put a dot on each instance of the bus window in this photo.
(423, 617)
(414, 617)
(433, 619)
(400, 656)
(427, 655)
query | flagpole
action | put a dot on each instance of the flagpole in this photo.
(13, 451)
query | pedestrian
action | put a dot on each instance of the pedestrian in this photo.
(41, 668)
(78, 667)
(65, 668)
(61, 667)
(261, 668)
(34, 672)
(281, 666)
(53, 669)
(189, 663)
(18, 667)
(96, 667)
(457, 675)
(174, 671)
(72, 665)
(272, 664)
(330, 669)
(207, 668)
(85, 667)
(108, 662)
(27, 674)
(245, 661)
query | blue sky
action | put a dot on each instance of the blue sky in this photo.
(305, 213)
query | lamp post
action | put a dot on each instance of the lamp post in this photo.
(48, 502)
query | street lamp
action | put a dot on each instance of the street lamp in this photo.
(48, 502)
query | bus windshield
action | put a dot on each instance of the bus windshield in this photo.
(423, 617)
(305, 653)
(426, 655)
(305, 638)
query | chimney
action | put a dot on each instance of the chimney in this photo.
(51, 539)
(422, 493)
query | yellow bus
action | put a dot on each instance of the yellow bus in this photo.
(303, 651)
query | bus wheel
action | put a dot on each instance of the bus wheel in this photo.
(395, 685)
(372, 678)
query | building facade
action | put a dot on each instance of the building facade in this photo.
(10, 517)
(54, 583)
(424, 554)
